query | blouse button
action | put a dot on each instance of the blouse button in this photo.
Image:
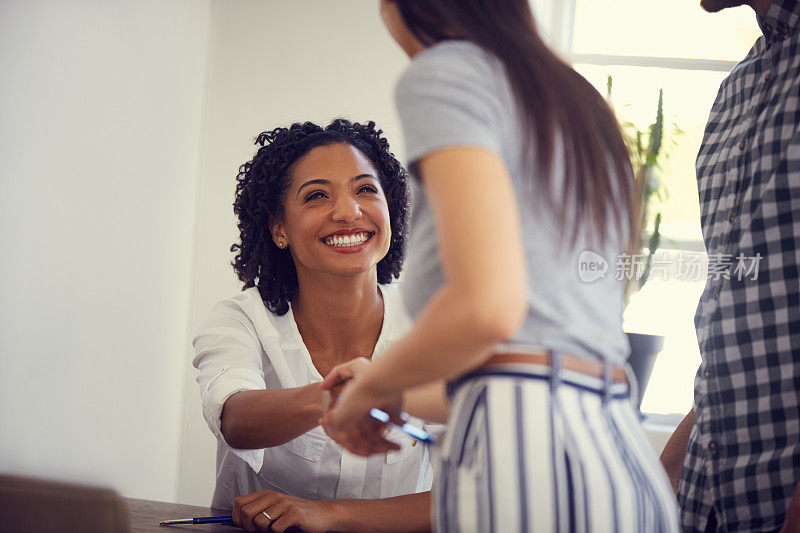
(742, 144)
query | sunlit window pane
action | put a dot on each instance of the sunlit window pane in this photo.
(688, 96)
(661, 28)
(667, 306)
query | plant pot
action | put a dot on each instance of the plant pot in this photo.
(644, 350)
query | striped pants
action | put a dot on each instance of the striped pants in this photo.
(530, 449)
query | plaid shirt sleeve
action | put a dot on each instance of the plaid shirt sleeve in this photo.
(743, 458)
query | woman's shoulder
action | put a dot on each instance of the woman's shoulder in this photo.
(248, 302)
(454, 52)
(450, 59)
(453, 93)
(246, 308)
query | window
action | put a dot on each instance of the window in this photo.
(647, 45)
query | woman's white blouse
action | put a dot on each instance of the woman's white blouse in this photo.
(243, 346)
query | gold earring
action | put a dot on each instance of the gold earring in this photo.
(281, 244)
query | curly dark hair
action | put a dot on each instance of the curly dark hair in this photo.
(261, 189)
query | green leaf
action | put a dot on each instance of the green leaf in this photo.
(656, 130)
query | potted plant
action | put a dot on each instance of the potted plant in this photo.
(647, 151)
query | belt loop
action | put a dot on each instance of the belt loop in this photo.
(607, 381)
(450, 388)
(633, 388)
(555, 370)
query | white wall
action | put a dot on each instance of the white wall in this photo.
(274, 62)
(101, 107)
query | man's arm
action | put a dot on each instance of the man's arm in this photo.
(792, 522)
(675, 451)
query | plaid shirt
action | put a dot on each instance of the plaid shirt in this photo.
(743, 458)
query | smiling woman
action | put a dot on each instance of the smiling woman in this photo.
(344, 213)
(322, 220)
(264, 200)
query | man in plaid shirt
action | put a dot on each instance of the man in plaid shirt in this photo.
(739, 447)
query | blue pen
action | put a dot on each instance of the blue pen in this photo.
(224, 520)
(419, 434)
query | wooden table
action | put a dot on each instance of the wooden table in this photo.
(145, 515)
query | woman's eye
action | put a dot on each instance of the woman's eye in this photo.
(368, 188)
(314, 195)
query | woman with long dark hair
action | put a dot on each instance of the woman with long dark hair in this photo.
(521, 174)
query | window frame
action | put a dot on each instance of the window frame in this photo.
(559, 30)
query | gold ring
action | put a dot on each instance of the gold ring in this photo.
(268, 516)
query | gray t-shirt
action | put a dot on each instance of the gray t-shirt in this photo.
(456, 94)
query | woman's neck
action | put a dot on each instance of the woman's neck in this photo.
(339, 317)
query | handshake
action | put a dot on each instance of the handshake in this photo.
(333, 389)
(338, 379)
(356, 415)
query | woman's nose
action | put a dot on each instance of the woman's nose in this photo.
(346, 209)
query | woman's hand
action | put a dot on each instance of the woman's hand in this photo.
(337, 378)
(348, 422)
(284, 511)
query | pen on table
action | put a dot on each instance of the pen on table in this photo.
(414, 431)
(225, 520)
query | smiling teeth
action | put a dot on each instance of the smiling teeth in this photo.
(347, 240)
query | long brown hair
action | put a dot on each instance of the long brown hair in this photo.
(554, 99)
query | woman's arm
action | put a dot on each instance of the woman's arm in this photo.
(411, 512)
(428, 402)
(256, 419)
(237, 404)
(401, 514)
(483, 300)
